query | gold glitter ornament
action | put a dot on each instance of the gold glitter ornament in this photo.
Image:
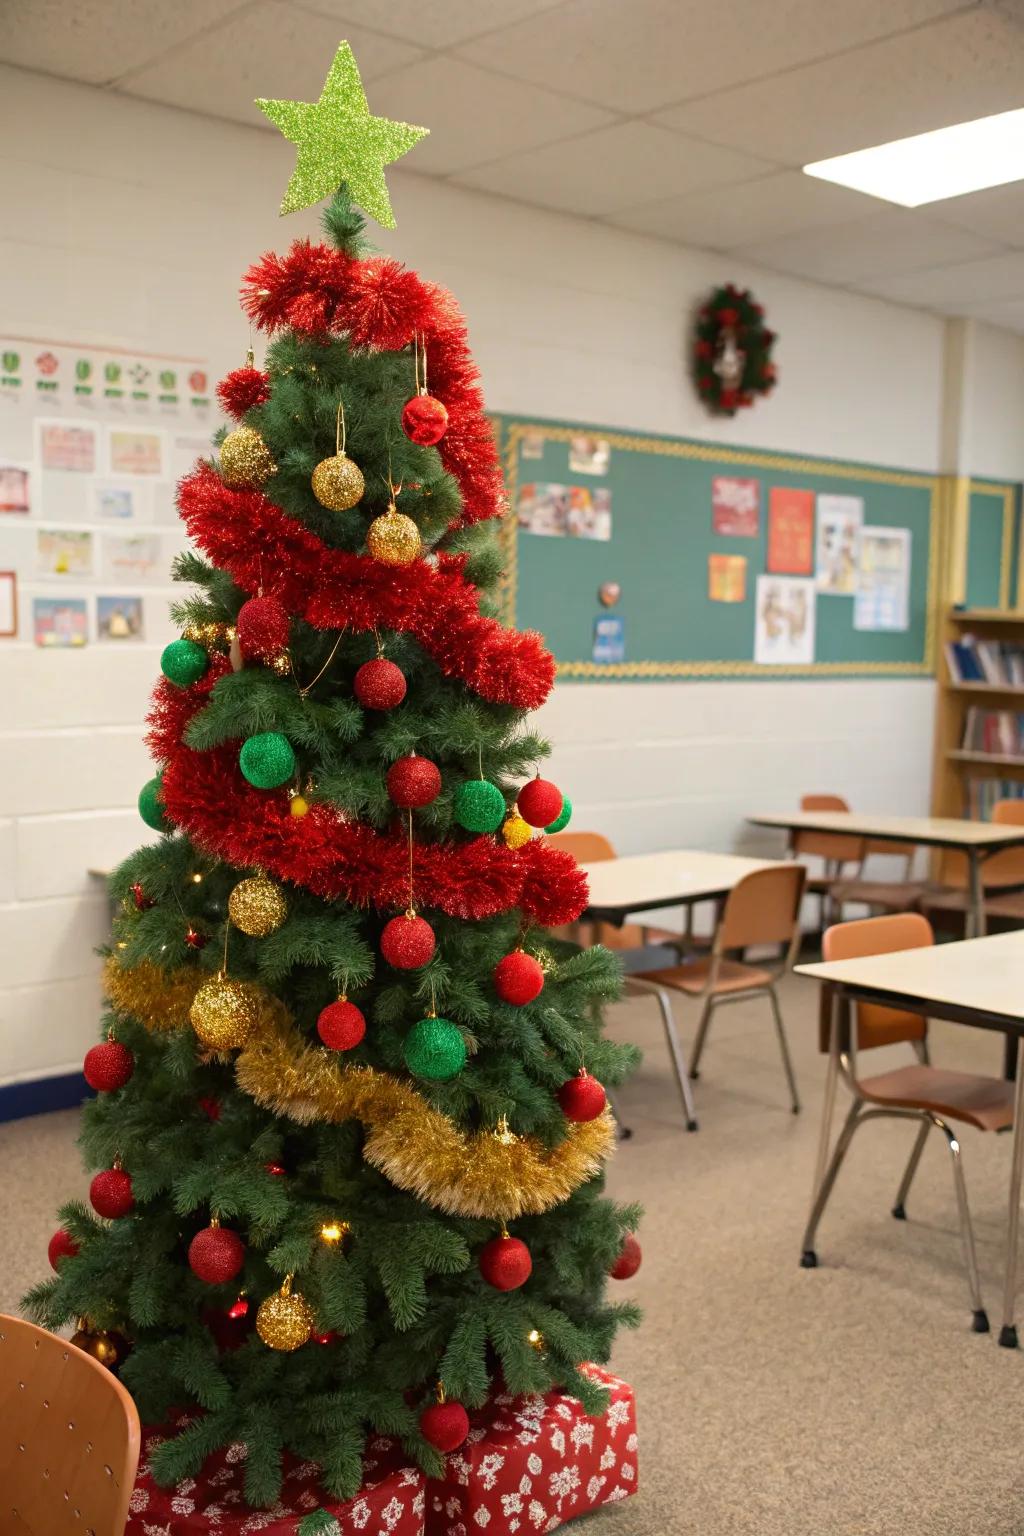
(282, 664)
(245, 460)
(337, 482)
(298, 805)
(223, 1013)
(393, 538)
(257, 906)
(516, 831)
(285, 1320)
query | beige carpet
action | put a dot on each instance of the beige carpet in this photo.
(773, 1400)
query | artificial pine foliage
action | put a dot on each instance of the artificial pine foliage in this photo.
(360, 1184)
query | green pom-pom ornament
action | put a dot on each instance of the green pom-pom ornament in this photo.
(561, 821)
(435, 1048)
(151, 806)
(267, 759)
(479, 806)
(184, 662)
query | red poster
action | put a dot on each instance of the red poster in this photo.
(790, 532)
(735, 506)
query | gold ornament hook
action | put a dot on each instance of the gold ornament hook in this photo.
(339, 430)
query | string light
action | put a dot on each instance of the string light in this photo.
(333, 1231)
(535, 1339)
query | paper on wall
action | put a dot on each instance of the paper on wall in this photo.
(882, 598)
(838, 543)
(784, 621)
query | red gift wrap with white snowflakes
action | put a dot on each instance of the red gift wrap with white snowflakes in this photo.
(532, 1463)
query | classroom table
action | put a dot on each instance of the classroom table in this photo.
(979, 982)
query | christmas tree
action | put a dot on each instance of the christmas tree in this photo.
(350, 1125)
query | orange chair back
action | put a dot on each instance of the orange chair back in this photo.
(1006, 868)
(585, 847)
(880, 936)
(762, 908)
(69, 1437)
(837, 847)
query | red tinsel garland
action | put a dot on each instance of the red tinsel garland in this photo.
(332, 589)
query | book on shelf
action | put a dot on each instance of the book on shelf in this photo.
(999, 732)
(980, 795)
(971, 660)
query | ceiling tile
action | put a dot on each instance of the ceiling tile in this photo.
(275, 51)
(997, 213)
(964, 67)
(97, 40)
(433, 26)
(475, 116)
(646, 54)
(612, 169)
(720, 218)
(893, 241)
(958, 285)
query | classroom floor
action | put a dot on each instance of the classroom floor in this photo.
(773, 1401)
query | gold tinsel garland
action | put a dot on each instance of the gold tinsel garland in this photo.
(417, 1148)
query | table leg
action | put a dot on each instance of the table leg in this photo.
(977, 896)
(828, 1109)
(1008, 1332)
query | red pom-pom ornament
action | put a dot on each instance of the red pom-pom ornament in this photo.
(341, 1025)
(216, 1254)
(505, 1263)
(242, 390)
(540, 802)
(263, 628)
(413, 781)
(424, 420)
(111, 1193)
(407, 942)
(379, 684)
(444, 1426)
(582, 1097)
(108, 1066)
(629, 1259)
(61, 1246)
(518, 979)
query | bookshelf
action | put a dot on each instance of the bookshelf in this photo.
(956, 764)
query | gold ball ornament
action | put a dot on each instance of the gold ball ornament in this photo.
(338, 483)
(257, 906)
(223, 1013)
(285, 1320)
(245, 459)
(298, 805)
(108, 1348)
(393, 538)
(516, 831)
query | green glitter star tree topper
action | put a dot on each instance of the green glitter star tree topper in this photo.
(339, 140)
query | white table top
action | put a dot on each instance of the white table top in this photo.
(937, 831)
(644, 880)
(986, 975)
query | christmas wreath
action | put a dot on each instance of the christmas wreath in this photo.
(732, 351)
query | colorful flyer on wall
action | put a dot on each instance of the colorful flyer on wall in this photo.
(136, 453)
(735, 506)
(609, 639)
(65, 445)
(838, 543)
(784, 621)
(589, 455)
(131, 557)
(8, 604)
(727, 578)
(119, 618)
(531, 445)
(590, 512)
(112, 501)
(543, 509)
(882, 598)
(790, 532)
(60, 621)
(63, 552)
(15, 488)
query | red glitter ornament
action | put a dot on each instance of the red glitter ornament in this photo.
(540, 802)
(407, 942)
(263, 627)
(276, 1170)
(629, 1259)
(210, 1108)
(325, 1338)
(413, 782)
(239, 1308)
(424, 420)
(518, 979)
(444, 1426)
(505, 1263)
(341, 1025)
(142, 901)
(108, 1066)
(582, 1097)
(196, 940)
(242, 390)
(61, 1246)
(379, 684)
(111, 1193)
(216, 1254)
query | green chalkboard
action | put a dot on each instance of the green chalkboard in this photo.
(991, 574)
(661, 535)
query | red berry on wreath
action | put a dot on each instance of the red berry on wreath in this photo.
(629, 1259)
(263, 628)
(379, 684)
(540, 802)
(108, 1066)
(518, 978)
(407, 942)
(216, 1254)
(582, 1097)
(424, 420)
(111, 1193)
(444, 1426)
(505, 1263)
(61, 1246)
(413, 782)
(341, 1025)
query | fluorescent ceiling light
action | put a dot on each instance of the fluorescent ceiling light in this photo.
(944, 163)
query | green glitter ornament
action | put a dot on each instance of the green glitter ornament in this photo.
(267, 759)
(151, 806)
(561, 821)
(435, 1048)
(183, 662)
(479, 806)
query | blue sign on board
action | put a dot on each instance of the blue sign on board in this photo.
(609, 638)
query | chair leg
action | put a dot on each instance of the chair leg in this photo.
(702, 1034)
(808, 1257)
(980, 1322)
(831, 1078)
(675, 1047)
(899, 1210)
(784, 1048)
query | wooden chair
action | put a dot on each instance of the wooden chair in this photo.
(834, 849)
(69, 1438)
(998, 871)
(929, 1096)
(880, 895)
(763, 909)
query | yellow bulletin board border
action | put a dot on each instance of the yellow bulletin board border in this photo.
(513, 434)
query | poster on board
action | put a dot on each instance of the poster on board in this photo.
(735, 506)
(838, 544)
(727, 578)
(790, 532)
(784, 621)
(882, 597)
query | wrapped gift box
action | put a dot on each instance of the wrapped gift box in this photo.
(532, 1463)
(390, 1502)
